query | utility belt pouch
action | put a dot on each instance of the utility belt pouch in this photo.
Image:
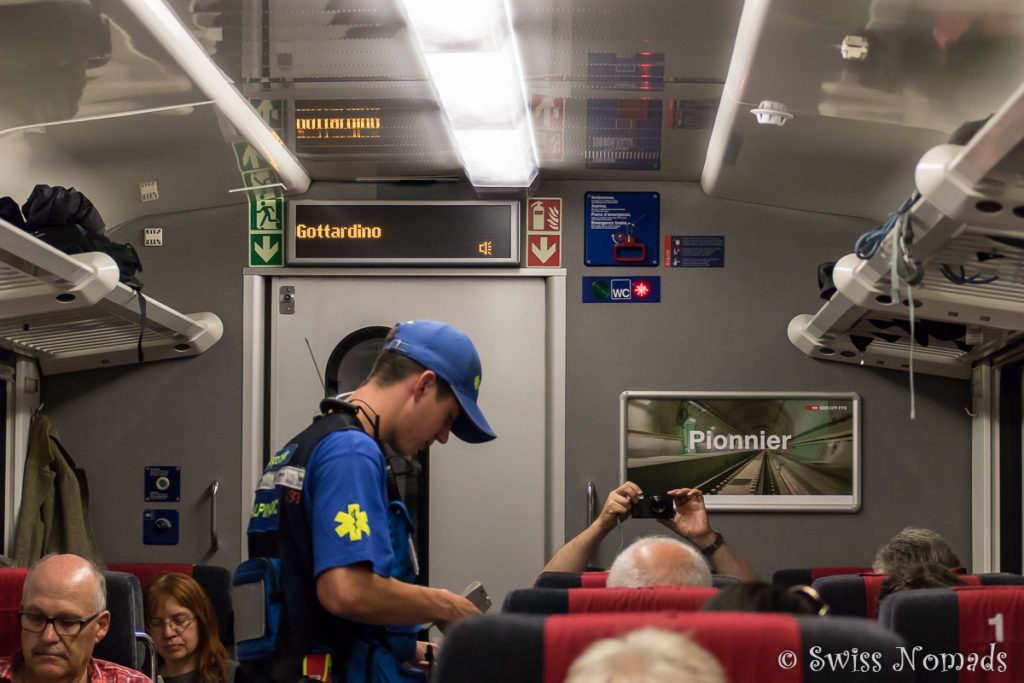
(256, 596)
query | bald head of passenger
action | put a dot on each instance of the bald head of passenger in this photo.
(63, 616)
(659, 561)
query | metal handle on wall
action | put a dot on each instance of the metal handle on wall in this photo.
(591, 501)
(214, 543)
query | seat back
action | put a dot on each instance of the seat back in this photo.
(595, 579)
(11, 582)
(507, 648)
(147, 571)
(121, 645)
(786, 578)
(857, 595)
(216, 583)
(960, 635)
(580, 600)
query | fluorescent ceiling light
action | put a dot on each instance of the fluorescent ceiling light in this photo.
(469, 50)
(496, 157)
(475, 88)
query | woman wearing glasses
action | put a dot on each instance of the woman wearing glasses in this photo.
(183, 627)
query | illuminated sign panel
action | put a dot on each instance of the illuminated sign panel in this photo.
(316, 124)
(395, 233)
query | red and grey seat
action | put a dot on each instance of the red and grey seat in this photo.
(582, 600)
(960, 635)
(763, 647)
(857, 595)
(786, 578)
(597, 579)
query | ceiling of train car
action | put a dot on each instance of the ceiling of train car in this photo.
(631, 90)
(603, 78)
(618, 90)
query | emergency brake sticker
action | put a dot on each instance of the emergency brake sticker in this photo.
(352, 523)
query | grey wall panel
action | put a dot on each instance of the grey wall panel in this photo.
(716, 329)
(181, 412)
(724, 329)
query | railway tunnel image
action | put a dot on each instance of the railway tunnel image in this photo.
(741, 446)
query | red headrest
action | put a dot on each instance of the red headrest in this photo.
(593, 579)
(741, 641)
(651, 599)
(818, 572)
(872, 584)
(11, 583)
(992, 615)
(147, 571)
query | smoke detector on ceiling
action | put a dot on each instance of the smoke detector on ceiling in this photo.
(770, 113)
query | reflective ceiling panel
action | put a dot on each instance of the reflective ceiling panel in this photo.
(92, 101)
(620, 91)
(70, 60)
(916, 71)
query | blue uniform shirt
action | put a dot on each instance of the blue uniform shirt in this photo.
(352, 521)
(346, 503)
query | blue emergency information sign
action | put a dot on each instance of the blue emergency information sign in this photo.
(621, 228)
(614, 289)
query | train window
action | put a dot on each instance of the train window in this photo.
(352, 358)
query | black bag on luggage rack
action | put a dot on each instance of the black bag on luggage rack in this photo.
(65, 219)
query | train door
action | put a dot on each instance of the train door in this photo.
(490, 504)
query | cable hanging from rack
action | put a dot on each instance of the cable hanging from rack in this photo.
(903, 268)
(868, 243)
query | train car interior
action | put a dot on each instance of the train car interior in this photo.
(771, 249)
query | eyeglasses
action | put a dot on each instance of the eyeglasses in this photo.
(37, 623)
(178, 623)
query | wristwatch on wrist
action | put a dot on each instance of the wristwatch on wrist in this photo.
(710, 550)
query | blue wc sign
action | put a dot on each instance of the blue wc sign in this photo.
(621, 290)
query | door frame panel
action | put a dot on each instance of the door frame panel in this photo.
(258, 301)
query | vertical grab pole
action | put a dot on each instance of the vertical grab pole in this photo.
(214, 543)
(591, 502)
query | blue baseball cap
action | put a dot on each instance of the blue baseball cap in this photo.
(450, 353)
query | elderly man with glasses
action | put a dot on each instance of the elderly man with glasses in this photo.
(63, 615)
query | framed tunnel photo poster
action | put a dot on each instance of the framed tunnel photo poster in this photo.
(745, 450)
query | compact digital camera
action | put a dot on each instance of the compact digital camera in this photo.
(657, 506)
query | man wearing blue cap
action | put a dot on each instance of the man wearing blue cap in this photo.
(341, 532)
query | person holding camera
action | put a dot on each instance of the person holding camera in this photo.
(690, 521)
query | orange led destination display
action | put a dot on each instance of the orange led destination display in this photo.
(384, 233)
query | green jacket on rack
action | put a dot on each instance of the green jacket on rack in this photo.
(54, 512)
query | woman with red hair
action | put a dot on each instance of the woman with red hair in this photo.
(184, 628)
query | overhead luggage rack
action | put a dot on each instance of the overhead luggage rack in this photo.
(968, 236)
(71, 312)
